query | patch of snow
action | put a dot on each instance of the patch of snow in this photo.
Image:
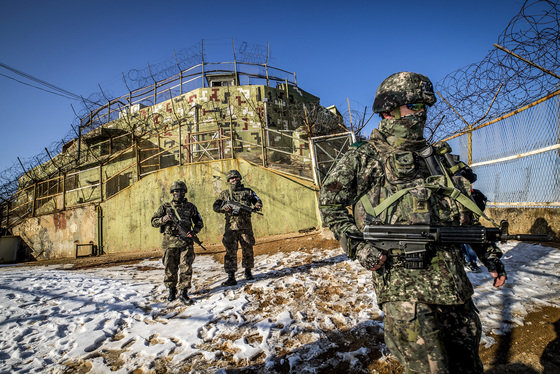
(118, 319)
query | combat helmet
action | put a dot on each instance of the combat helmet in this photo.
(232, 174)
(178, 185)
(403, 88)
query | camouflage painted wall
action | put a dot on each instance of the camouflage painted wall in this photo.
(167, 125)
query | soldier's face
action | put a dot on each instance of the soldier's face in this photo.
(178, 194)
(404, 111)
(234, 181)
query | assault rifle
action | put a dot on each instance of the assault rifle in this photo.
(183, 234)
(415, 240)
(236, 207)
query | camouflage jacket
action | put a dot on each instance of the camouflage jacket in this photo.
(374, 170)
(190, 219)
(243, 195)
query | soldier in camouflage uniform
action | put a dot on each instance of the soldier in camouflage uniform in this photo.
(178, 255)
(431, 323)
(238, 228)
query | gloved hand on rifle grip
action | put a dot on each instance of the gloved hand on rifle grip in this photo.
(166, 218)
(369, 256)
(496, 268)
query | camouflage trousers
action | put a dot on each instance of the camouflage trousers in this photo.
(428, 338)
(178, 260)
(230, 240)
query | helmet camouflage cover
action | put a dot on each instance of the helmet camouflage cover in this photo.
(178, 185)
(232, 174)
(403, 88)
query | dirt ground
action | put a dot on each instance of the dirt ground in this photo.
(532, 348)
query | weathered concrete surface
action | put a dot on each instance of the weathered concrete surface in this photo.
(528, 220)
(288, 206)
(55, 235)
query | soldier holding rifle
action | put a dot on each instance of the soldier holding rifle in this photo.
(179, 222)
(394, 181)
(237, 203)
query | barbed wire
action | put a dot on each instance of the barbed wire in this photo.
(502, 82)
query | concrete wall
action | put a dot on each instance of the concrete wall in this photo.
(288, 206)
(528, 220)
(55, 235)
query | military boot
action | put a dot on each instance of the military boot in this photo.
(172, 294)
(184, 297)
(248, 274)
(230, 281)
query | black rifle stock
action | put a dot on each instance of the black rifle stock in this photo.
(183, 234)
(414, 240)
(236, 207)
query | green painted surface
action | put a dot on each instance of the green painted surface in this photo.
(288, 205)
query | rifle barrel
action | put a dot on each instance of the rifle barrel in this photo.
(529, 237)
(446, 234)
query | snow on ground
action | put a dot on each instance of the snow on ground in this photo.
(306, 312)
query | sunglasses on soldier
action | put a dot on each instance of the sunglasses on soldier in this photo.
(417, 107)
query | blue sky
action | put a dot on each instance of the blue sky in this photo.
(338, 49)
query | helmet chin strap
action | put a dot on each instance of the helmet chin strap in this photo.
(396, 113)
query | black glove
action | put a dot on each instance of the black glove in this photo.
(496, 265)
(368, 255)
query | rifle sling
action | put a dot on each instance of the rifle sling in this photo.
(452, 192)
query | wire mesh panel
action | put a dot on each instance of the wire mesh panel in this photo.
(20, 207)
(459, 146)
(327, 151)
(530, 181)
(48, 196)
(287, 151)
(517, 158)
(206, 146)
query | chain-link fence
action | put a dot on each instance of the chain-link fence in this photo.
(327, 150)
(517, 156)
